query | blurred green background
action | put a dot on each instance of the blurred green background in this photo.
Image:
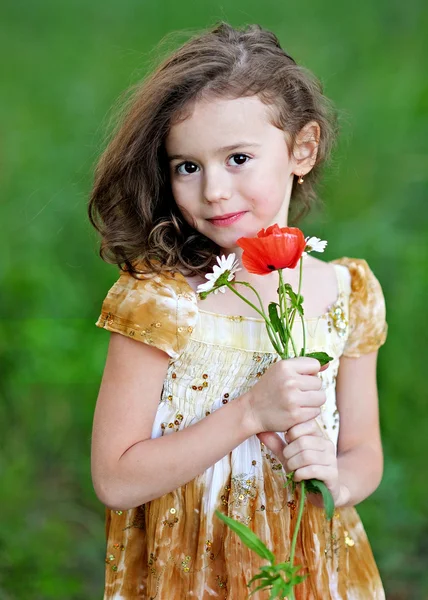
(64, 65)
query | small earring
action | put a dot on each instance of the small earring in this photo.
(300, 180)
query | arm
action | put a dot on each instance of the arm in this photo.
(128, 467)
(359, 456)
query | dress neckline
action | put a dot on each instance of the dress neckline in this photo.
(340, 292)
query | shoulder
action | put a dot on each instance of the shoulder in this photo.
(367, 312)
(158, 309)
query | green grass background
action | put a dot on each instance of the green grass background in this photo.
(63, 66)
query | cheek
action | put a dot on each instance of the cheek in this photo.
(265, 196)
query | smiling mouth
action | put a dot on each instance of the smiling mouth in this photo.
(224, 220)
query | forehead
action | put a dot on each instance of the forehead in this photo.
(216, 122)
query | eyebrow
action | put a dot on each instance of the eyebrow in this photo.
(219, 150)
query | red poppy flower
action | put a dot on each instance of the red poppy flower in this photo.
(274, 248)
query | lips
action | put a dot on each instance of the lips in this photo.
(228, 219)
(224, 216)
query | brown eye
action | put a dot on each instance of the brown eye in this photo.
(186, 168)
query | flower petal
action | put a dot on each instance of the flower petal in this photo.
(275, 249)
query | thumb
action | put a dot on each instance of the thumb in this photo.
(272, 441)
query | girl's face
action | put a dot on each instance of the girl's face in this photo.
(231, 173)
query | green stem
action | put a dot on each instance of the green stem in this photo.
(299, 520)
(300, 277)
(304, 335)
(299, 290)
(285, 312)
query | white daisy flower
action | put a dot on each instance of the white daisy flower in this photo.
(314, 244)
(225, 269)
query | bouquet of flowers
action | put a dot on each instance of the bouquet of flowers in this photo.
(274, 249)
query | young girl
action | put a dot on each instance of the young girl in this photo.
(222, 140)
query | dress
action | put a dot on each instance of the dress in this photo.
(174, 547)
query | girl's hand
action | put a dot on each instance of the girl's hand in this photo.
(288, 393)
(312, 456)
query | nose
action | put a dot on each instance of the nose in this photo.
(216, 186)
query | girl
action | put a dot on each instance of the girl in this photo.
(213, 147)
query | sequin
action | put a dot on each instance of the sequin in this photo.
(172, 511)
(205, 376)
(185, 564)
(348, 540)
(337, 318)
(118, 512)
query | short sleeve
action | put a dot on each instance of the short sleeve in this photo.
(367, 324)
(159, 310)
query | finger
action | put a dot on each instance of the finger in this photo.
(301, 429)
(326, 366)
(309, 383)
(272, 441)
(308, 458)
(313, 398)
(305, 365)
(321, 472)
(308, 442)
(306, 414)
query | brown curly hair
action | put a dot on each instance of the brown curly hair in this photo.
(131, 204)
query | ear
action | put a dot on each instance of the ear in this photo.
(306, 148)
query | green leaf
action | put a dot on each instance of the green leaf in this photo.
(278, 590)
(257, 577)
(263, 586)
(249, 538)
(273, 315)
(290, 480)
(322, 357)
(315, 486)
(277, 324)
(295, 299)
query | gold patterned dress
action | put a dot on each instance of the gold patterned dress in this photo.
(174, 547)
